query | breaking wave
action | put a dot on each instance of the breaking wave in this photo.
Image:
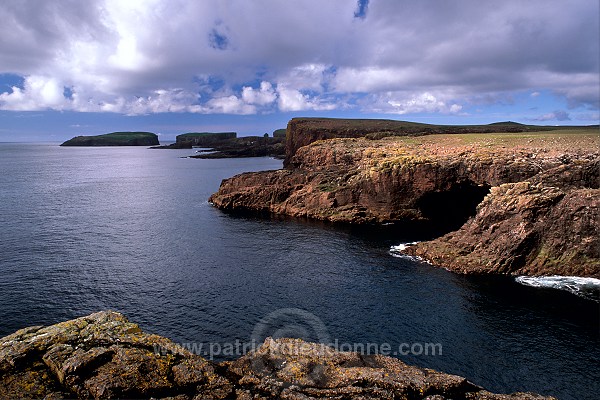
(584, 287)
(398, 251)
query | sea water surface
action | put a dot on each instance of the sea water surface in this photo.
(130, 229)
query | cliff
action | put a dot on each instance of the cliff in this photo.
(279, 133)
(524, 228)
(203, 139)
(104, 356)
(303, 131)
(548, 224)
(228, 145)
(247, 146)
(115, 139)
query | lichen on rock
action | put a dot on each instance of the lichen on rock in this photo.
(104, 356)
(100, 356)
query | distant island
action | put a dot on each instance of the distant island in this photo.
(115, 139)
(204, 139)
(228, 145)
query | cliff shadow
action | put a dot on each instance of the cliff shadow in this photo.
(446, 211)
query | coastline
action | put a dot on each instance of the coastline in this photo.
(524, 203)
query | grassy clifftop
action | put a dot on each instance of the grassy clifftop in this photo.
(303, 131)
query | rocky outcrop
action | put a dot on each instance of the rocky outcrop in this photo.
(203, 139)
(199, 139)
(279, 133)
(247, 146)
(438, 181)
(115, 139)
(101, 356)
(294, 369)
(524, 229)
(104, 356)
(228, 145)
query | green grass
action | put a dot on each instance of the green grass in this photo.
(379, 128)
(205, 134)
(114, 139)
(508, 138)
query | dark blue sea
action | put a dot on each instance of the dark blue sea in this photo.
(130, 229)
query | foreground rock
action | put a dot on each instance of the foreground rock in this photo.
(545, 225)
(103, 356)
(115, 139)
(100, 356)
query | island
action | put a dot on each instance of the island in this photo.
(228, 145)
(201, 139)
(503, 198)
(104, 356)
(115, 139)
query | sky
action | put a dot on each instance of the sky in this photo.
(71, 67)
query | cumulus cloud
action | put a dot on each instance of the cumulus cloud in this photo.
(408, 103)
(263, 96)
(38, 93)
(135, 57)
(294, 100)
(558, 115)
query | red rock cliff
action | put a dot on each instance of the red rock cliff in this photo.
(547, 222)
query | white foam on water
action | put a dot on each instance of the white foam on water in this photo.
(584, 287)
(398, 251)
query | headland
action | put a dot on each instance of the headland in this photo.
(502, 198)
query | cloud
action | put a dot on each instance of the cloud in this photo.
(39, 93)
(408, 103)
(137, 57)
(590, 117)
(294, 100)
(229, 105)
(559, 115)
(263, 96)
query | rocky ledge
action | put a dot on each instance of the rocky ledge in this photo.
(104, 356)
(531, 199)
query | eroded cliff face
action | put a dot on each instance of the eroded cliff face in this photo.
(440, 180)
(104, 356)
(524, 229)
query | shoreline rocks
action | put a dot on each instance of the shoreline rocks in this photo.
(103, 355)
(228, 145)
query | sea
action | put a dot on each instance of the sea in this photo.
(130, 229)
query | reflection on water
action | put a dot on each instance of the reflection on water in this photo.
(129, 229)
